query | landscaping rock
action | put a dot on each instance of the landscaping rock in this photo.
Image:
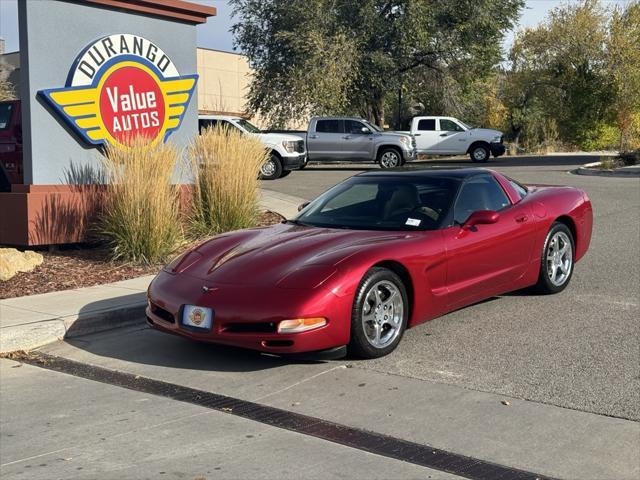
(13, 261)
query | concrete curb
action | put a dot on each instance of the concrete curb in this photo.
(34, 335)
(588, 170)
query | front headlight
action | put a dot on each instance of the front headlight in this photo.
(497, 139)
(298, 325)
(406, 141)
(289, 146)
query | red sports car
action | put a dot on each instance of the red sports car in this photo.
(379, 252)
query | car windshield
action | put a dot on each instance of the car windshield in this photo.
(388, 203)
(248, 126)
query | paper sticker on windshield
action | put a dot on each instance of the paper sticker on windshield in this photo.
(414, 222)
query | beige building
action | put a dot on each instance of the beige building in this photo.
(224, 82)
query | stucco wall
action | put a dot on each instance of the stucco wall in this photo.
(52, 34)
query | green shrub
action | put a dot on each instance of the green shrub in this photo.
(226, 165)
(141, 217)
(603, 137)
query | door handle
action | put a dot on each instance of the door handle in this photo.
(346, 137)
(313, 136)
(417, 134)
(444, 134)
(522, 219)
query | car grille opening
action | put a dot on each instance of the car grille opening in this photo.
(260, 327)
(277, 343)
(162, 313)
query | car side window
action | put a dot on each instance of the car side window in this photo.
(479, 193)
(427, 125)
(329, 126)
(450, 126)
(204, 124)
(354, 127)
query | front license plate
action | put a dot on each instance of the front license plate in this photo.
(200, 318)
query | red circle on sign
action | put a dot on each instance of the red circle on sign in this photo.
(132, 105)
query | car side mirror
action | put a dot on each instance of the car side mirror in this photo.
(481, 217)
(302, 206)
(365, 130)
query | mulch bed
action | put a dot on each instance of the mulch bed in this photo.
(78, 266)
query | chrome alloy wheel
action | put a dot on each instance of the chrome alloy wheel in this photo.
(559, 259)
(382, 314)
(268, 168)
(480, 154)
(389, 160)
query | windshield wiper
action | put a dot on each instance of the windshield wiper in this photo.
(298, 222)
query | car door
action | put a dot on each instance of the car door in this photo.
(486, 259)
(426, 135)
(326, 142)
(357, 144)
(452, 137)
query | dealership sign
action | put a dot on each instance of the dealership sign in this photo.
(121, 87)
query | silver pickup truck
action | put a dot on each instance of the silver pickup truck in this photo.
(348, 139)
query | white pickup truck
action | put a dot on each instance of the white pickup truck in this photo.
(287, 151)
(450, 136)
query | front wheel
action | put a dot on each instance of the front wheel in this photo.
(380, 314)
(556, 264)
(271, 169)
(389, 158)
(480, 154)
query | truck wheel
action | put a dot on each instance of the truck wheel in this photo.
(285, 173)
(271, 169)
(389, 158)
(479, 153)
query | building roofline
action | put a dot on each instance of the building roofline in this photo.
(177, 10)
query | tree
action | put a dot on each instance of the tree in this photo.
(623, 54)
(349, 56)
(7, 90)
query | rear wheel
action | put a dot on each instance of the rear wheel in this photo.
(389, 158)
(556, 264)
(271, 169)
(380, 314)
(479, 153)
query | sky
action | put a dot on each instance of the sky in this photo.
(215, 33)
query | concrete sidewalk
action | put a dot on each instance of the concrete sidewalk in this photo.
(33, 321)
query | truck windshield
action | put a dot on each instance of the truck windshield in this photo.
(5, 115)
(373, 126)
(388, 203)
(248, 126)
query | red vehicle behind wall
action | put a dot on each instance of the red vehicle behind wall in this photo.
(11, 171)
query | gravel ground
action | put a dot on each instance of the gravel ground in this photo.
(579, 349)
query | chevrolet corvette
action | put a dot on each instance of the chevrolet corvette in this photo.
(376, 254)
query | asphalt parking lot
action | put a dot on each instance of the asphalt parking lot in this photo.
(579, 349)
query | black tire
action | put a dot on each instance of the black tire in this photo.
(480, 153)
(545, 283)
(360, 346)
(389, 158)
(285, 173)
(271, 169)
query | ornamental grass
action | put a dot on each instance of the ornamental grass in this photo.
(141, 215)
(226, 165)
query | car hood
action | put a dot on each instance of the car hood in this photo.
(485, 132)
(276, 138)
(269, 256)
(393, 134)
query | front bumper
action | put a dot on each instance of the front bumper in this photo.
(247, 316)
(410, 155)
(497, 149)
(294, 161)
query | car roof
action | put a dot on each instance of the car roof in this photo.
(458, 173)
